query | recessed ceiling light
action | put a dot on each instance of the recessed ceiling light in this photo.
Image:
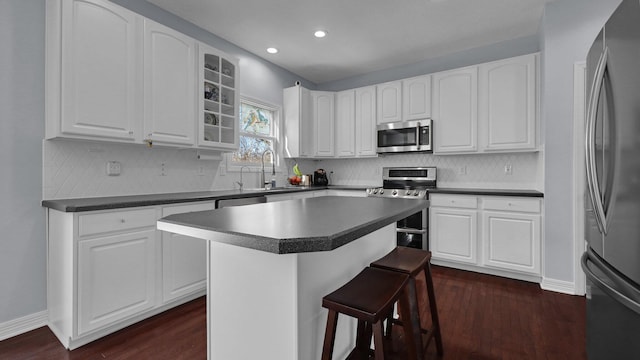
(320, 33)
(272, 50)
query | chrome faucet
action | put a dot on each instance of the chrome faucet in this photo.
(241, 183)
(273, 163)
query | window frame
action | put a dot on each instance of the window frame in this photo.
(233, 166)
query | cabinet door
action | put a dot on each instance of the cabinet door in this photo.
(345, 124)
(169, 85)
(455, 108)
(389, 102)
(323, 120)
(511, 241)
(218, 105)
(366, 121)
(507, 104)
(453, 234)
(416, 98)
(116, 278)
(101, 70)
(184, 259)
(307, 145)
(298, 122)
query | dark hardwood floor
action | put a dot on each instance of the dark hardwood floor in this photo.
(482, 317)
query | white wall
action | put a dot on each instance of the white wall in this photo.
(568, 29)
(22, 226)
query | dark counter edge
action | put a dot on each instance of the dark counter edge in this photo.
(130, 201)
(303, 245)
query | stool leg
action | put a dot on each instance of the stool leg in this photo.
(330, 335)
(363, 338)
(378, 338)
(408, 313)
(434, 309)
(415, 316)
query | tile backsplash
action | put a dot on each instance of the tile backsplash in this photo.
(75, 169)
(456, 171)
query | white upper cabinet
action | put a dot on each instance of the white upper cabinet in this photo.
(455, 109)
(93, 58)
(508, 104)
(416, 98)
(323, 119)
(365, 116)
(298, 122)
(113, 75)
(218, 99)
(389, 102)
(345, 123)
(169, 85)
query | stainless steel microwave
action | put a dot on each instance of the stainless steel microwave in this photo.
(406, 136)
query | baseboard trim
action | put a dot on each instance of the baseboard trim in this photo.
(561, 286)
(22, 325)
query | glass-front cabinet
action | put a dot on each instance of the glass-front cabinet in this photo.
(218, 110)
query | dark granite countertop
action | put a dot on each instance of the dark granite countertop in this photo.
(304, 225)
(118, 202)
(490, 192)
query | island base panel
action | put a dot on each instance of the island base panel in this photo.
(264, 305)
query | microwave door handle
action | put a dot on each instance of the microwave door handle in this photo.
(592, 178)
(418, 135)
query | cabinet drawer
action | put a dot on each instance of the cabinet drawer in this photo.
(511, 204)
(466, 202)
(91, 224)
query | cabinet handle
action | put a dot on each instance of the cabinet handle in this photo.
(122, 221)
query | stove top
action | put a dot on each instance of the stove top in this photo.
(405, 182)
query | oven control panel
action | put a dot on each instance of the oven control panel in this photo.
(397, 193)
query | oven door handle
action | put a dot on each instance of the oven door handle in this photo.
(411, 231)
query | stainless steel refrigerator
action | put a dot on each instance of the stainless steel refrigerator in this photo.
(612, 260)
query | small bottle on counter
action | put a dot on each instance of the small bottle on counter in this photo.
(273, 182)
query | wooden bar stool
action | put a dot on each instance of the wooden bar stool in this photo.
(369, 297)
(412, 261)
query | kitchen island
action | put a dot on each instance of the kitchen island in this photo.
(269, 265)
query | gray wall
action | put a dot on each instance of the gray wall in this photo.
(568, 29)
(22, 225)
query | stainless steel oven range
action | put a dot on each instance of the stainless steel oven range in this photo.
(409, 183)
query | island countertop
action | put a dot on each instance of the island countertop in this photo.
(294, 226)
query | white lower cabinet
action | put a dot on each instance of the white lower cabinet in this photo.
(116, 278)
(109, 269)
(498, 235)
(184, 259)
(454, 228)
(511, 237)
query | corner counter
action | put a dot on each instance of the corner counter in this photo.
(269, 265)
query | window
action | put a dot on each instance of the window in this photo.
(258, 132)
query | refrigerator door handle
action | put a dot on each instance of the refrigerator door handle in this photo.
(590, 158)
(631, 296)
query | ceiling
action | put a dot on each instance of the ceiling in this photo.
(363, 35)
